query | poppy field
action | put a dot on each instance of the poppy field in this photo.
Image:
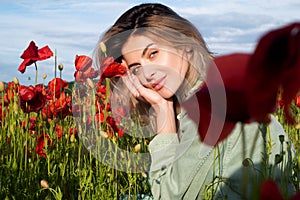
(62, 140)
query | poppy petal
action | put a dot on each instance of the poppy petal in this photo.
(82, 62)
(44, 53)
(31, 51)
(24, 64)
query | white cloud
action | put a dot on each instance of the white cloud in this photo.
(73, 27)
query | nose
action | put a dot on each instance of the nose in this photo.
(148, 71)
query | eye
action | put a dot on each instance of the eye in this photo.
(135, 70)
(153, 53)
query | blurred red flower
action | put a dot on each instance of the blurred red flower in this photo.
(110, 68)
(31, 98)
(57, 86)
(270, 191)
(41, 139)
(274, 64)
(297, 100)
(33, 54)
(250, 83)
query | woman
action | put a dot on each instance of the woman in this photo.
(167, 59)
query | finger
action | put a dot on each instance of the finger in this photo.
(146, 94)
(129, 84)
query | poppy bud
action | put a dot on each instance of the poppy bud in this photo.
(144, 174)
(104, 134)
(16, 81)
(298, 126)
(15, 165)
(1, 86)
(90, 83)
(246, 162)
(44, 184)
(137, 148)
(122, 155)
(44, 76)
(60, 67)
(72, 138)
(281, 138)
(103, 47)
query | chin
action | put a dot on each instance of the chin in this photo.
(166, 94)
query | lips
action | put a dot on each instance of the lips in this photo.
(159, 83)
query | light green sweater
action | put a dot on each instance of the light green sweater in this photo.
(184, 168)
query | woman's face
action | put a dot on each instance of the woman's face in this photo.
(157, 66)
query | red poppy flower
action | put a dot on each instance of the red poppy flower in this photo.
(82, 62)
(33, 54)
(84, 69)
(79, 77)
(90, 73)
(73, 131)
(113, 129)
(101, 91)
(270, 191)
(110, 68)
(32, 98)
(57, 86)
(10, 91)
(47, 113)
(32, 124)
(2, 113)
(41, 139)
(59, 131)
(61, 107)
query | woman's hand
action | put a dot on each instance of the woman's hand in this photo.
(163, 107)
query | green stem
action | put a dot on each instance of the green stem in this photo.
(55, 63)
(36, 74)
(107, 85)
(245, 170)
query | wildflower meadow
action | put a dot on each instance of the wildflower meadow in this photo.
(62, 140)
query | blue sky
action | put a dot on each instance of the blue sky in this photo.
(73, 27)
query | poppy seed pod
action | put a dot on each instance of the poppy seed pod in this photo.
(103, 47)
(44, 184)
(60, 67)
(281, 138)
(16, 80)
(90, 83)
(137, 148)
(44, 76)
(1, 86)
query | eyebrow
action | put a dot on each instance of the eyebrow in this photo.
(143, 54)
